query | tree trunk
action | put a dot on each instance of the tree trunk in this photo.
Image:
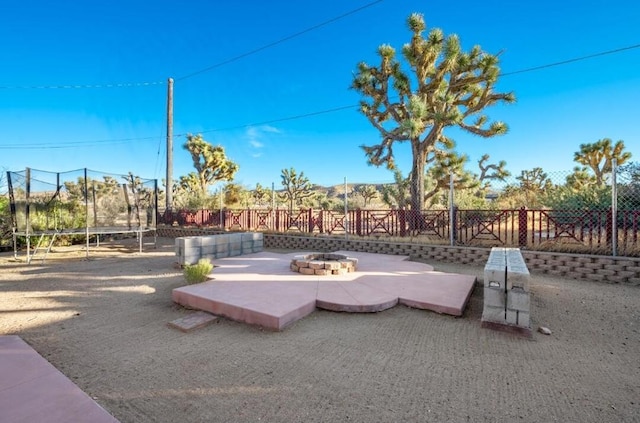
(417, 184)
(417, 177)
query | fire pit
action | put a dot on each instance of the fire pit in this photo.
(323, 264)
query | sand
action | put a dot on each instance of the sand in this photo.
(103, 322)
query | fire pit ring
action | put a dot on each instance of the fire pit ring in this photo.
(323, 264)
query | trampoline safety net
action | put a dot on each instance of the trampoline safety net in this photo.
(80, 201)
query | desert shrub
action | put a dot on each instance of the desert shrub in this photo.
(588, 198)
(197, 273)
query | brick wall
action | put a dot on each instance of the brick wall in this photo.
(575, 266)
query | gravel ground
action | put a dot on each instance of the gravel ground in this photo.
(103, 323)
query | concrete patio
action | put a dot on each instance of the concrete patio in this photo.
(32, 390)
(260, 289)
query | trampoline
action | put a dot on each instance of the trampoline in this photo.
(79, 204)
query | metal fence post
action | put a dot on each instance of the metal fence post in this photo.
(614, 208)
(452, 216)
(346, 211)
(221, 216)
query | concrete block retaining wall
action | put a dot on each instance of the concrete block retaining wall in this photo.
(190, 249)
(575, 266)
(506, 288)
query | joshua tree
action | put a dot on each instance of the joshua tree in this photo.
(367, 192)
(211, 164)
(445, 87)
(296, 187)
(598, 157)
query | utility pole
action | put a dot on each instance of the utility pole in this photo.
(169, 182)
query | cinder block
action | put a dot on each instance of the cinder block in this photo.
(494, 297)
(495, 277)
(220, 239)
(518, 318)
(515, 260)
(223, 254)
(614, 267)
(189, 259)
(595, 277)
(518, 299)
(207, 240)
(190, 241)
(493, 314)
(210, 256)
(497, 258)
(518, 279)
(536, 262)
(222, 248)
(633, 281)
(565, 269)
(524, 319)
(207, 250)
(251, 236)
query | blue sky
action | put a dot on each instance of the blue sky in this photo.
(243, 103)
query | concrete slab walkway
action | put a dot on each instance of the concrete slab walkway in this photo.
(32, 390)
(261, 289)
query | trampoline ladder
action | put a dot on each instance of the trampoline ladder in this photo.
(38, 246)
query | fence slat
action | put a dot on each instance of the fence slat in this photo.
(587, 231)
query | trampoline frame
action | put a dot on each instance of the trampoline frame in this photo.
(87, 231)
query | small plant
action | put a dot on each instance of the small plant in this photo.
(197, 273)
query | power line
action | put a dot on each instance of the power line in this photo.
(280, 41)
(294, 117)
(81, 86)
(336, 109)
(71, 144)
(207, 69)
(267, 122)
(577, 59)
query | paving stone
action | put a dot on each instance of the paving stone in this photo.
(193, 321)
(306, 271)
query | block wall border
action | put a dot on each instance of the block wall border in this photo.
(625, 270)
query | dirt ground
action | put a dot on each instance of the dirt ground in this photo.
(103, 323)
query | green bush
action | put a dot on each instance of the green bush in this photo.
(197, 273)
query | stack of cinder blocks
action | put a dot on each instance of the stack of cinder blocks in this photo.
(506, 290)
(190, 249)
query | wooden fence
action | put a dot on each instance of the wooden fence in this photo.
(585, 231)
